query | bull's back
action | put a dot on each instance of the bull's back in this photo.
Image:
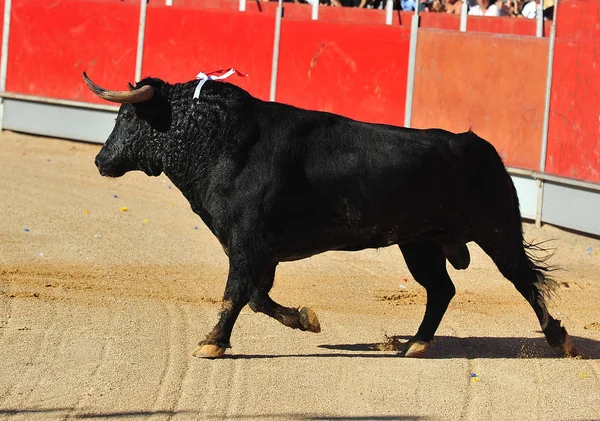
(386, 171)
(371, 186)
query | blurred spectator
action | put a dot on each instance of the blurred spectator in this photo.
(530, 9)
(485, 8)
(437, 6)
(407, 5)
(475, 7)
(549, 9)
(510, 7)
(471, 3)
(453, 6)
(376, 4)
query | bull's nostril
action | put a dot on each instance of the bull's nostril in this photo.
(97, 163)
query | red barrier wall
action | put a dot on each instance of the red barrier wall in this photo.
(191, 36)
(505, 25)
(574, 127)
(182, 41)
(1, 20)
(326, 64)
(490, 83)
(500, 25)
(51, 43)
(497, 25)
(352, 15)
(357, 71)
(347, 62)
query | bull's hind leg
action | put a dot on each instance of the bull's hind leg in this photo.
(427, 264)
(509, 254)
(303, 318)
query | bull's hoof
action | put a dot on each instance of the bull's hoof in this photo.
(414, 349)
(568, 349)
(309, 320)
(209, 351)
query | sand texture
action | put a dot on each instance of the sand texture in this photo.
(102, 307)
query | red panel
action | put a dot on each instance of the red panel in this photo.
(354, 70)
(2, 2)
(491, 83)
(354, 15)
(52, 42)
(437, 20)
(505, 25)
(574, 127)
(578, 19)
(231, 5)
(494, 25)
(184, 40)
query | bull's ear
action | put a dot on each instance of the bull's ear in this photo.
(156, 111)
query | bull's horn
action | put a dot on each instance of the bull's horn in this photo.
(131, 97)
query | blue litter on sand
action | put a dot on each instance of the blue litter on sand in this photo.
(589, 250)
(473, 375)
(195, 228)
(169, 187)
(26, 229)
(115, 196)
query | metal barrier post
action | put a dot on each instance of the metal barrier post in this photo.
(5, 36)
(463, 16)
(315, 11)
(551, 42)
(276, 39)
(242, 5)
(4, 57)
(140, 46)
(389, 12)
(412, 56)
(539, 17)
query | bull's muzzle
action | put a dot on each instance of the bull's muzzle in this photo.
(110, 167)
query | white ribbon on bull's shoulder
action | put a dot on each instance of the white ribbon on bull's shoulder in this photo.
(216, 75)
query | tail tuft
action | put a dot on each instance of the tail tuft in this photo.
(538, 256)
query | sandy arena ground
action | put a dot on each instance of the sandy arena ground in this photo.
(101, 308)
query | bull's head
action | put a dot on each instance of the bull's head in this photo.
(142, 123)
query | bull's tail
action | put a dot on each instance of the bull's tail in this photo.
(524, 263)
(499, 230)
(536, 254)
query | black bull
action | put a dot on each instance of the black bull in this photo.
(276, 183)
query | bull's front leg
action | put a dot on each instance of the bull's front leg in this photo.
(244, 271)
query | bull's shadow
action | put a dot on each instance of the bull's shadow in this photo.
(480, 347)
(447, 347)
